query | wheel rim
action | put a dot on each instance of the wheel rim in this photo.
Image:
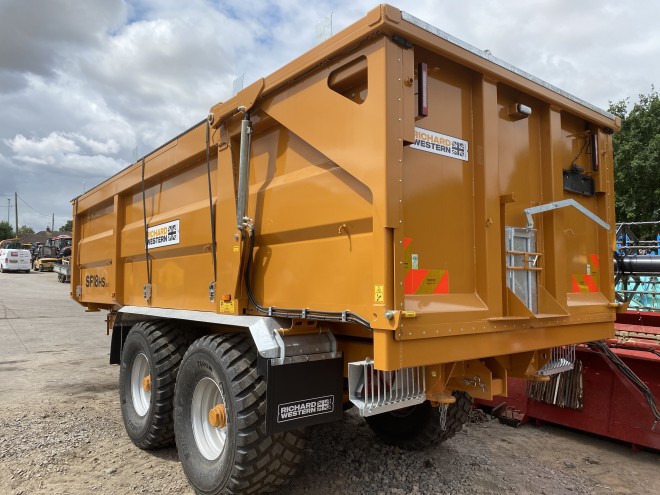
(140, 394)
(210, 440)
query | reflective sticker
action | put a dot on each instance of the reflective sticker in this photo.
(589, 282)
(584, 283)
(426, 282)
(421, 280)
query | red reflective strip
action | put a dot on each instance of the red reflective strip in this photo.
(594, 262)
(575, 286)
(591, 284)
(443, 285)
(406, 242)
(414, 279)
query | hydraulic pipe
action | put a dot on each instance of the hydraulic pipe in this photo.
(640, 264)
(243, 172)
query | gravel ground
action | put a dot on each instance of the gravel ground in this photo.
(61, 429)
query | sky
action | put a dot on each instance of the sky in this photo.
(86, 87)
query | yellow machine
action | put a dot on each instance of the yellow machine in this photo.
(395, 220)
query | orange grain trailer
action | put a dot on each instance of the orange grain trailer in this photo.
(395, 220)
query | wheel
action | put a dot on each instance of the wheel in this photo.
(41, 268)
(219, 418)
(150, 363)
(418, 427)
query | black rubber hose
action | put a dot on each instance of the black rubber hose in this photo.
(603, 349)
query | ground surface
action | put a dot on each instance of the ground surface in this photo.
(61, 429)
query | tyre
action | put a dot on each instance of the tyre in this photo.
(418, 427)
(219, 418)
(41, 268)
(150, 363)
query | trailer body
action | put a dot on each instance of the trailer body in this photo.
(435, 214)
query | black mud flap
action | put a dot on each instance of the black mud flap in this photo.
(304, 393)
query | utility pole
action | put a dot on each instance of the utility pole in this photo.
(8, 208)
(52, 224)
(16, 207)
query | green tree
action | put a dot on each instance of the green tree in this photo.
(25, 231)
(637, 160)
(67, 227)
(6, 231)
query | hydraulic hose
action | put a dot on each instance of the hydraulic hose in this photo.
(345, 316)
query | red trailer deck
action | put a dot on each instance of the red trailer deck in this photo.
(602, 400)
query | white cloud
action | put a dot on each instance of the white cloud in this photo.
(61, 151)
(51, 144)
(83, 84)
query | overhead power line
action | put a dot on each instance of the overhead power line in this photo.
(37, 211)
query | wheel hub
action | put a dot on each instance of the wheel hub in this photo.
(208, 416)
(141, 385)
(146, 383)
(218, 416)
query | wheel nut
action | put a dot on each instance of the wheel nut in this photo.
(146, 383)
(218, 416)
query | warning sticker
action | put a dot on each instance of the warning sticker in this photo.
(440, 144)
(305, 408)
(379, 293)
(164, 234)
(227, 307)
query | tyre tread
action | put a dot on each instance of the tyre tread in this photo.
(426, 433)
(261, 462)
(168, 343)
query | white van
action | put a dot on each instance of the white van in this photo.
(14, 259)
